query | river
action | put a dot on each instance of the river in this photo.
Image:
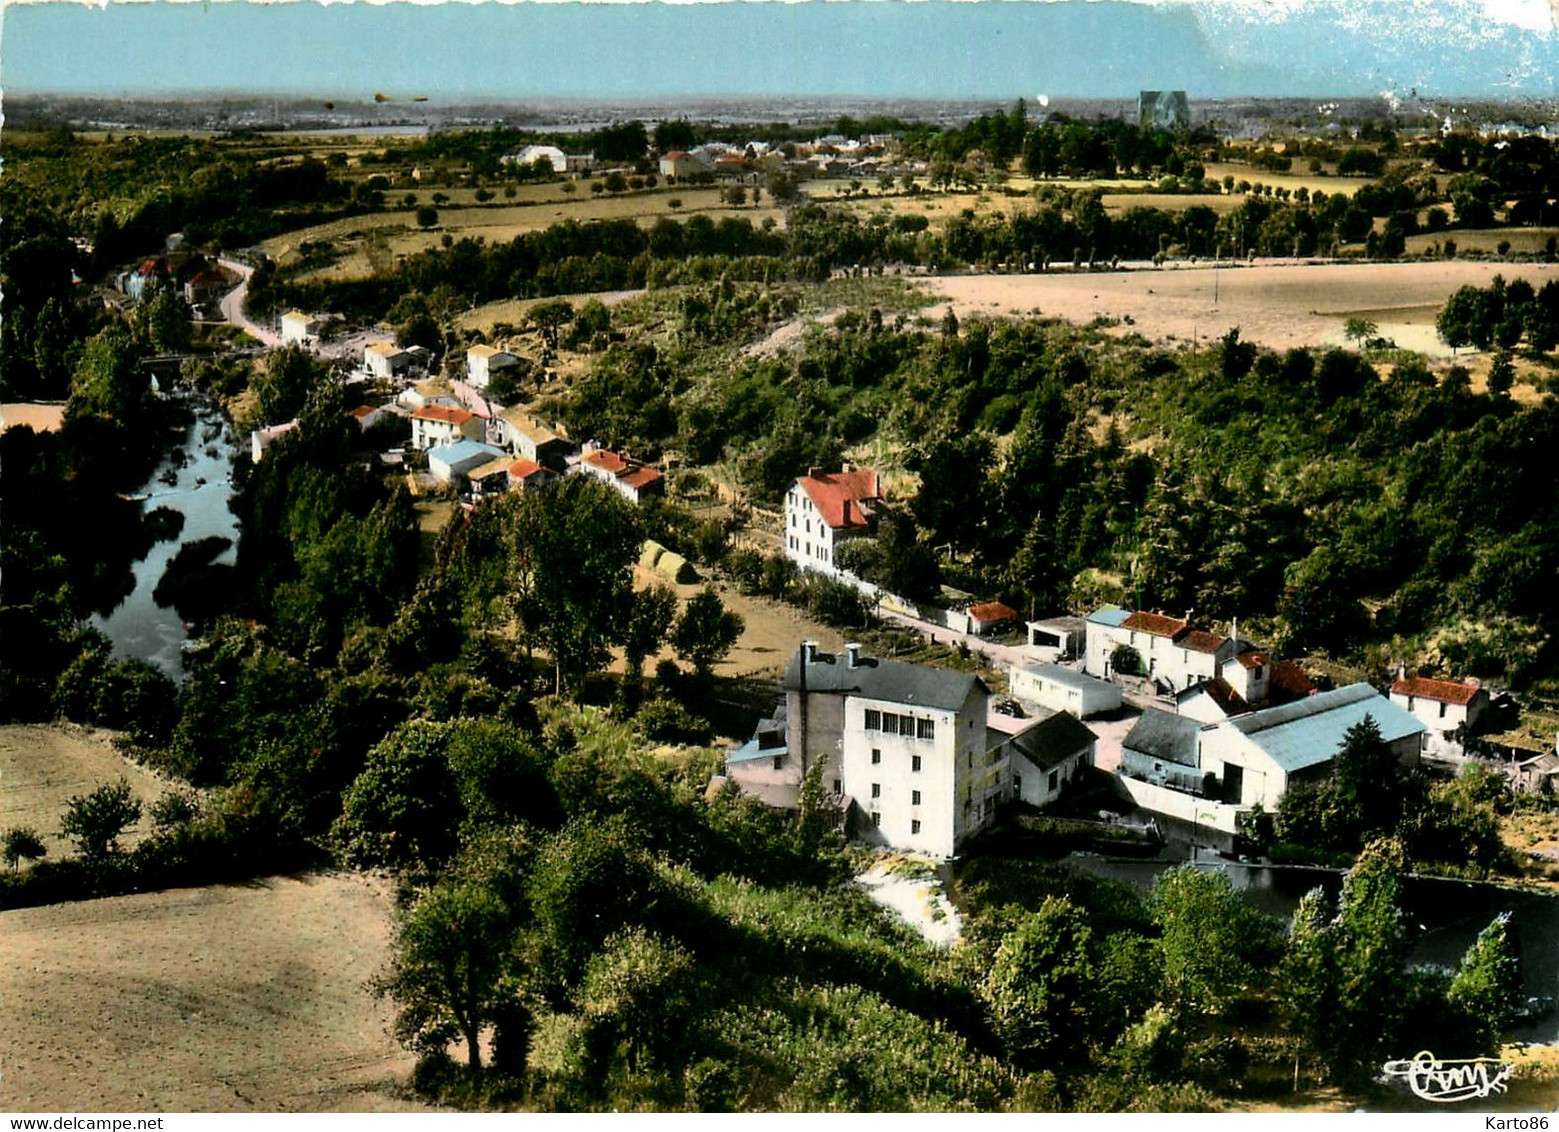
(200, 490)
(1445, 915)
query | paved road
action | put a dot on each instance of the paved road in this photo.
(233, 305)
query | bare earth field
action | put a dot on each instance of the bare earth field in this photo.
(43, 765)
(1278, 305)
(223, 999)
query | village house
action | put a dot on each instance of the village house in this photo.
(988, 617)
(387, 362)
(1211, 771)
(205, 288)
(454, 462)
(299, 329)
(1210, 701)
(1045, 757)
(1449, 710)
(483, 362)
(903, 747)
(367, 416)
(527, 475)
(633, 480)
(825, 509)
(1063, 689)
(678, 165)
(434, 425)
(1172, 654)
(262, 438)
(525, 435)
(492, 477)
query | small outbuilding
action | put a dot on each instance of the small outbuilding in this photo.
(1064, 689)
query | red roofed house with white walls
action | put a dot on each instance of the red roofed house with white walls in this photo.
(824, 509)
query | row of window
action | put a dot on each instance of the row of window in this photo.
(892, 723)
(796, 544)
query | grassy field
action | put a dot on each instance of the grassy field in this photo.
(220, 999)
(1523, 241)
(373, 241)
(42, 766)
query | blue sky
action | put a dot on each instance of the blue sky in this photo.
(858, 48)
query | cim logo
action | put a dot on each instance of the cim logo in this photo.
(1450, 1082)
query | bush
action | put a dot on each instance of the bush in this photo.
(666, 721)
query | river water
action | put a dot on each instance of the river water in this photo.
(1444, 915)
(200, 492)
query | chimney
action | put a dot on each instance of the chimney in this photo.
(852, 653)
(813, 472)
(808, 652)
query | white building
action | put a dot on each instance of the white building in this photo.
(633, 481)
(1046, 756)
(526, 436)
(824, 509)
(1063, 689)
(1448, 709)
(482, 362)
(904, 749)
(299, 329)
(435, 425)
(1248, 759)
(1056, 638)
(1172, 653)
(387, 361)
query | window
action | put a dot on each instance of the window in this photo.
(925, 729)
(876, 756)
(1442, 711)
(914, 797)
(914, 826)
(914, 763)
(1256, 672)
(876, 821)
(907, 725)
(1055, 779)
(779, 761)
(890, 722)
(1017, 785)
(876, 790)
(873, 720)
(809, 526)
(971, 760)
(838, 788)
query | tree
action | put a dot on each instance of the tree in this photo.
(706, 631)
(96, 822)
(168, 322)
(109, 380)
(1359, 331)
(427, 216)
(550, 317)
(22, 843)
(454, 969)
(571, 572)
(1040, 989)
(635, 993)
(1213, 943)
(403, 809)
(648, 626)
(282, 383)
(1502, 374)
(1487, 986)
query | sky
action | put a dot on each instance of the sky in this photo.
(935, 49)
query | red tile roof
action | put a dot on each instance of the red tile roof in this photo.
(1288, 681)
(1222, 693)
(364, 411)
(641, 478)
(1155, 623)
(838, 496)
(676, 155)
(607, 461)
(992, 611)
(1444, 691)
(523, 469)
(443, 413)
(1253, 659)
(1200, 640)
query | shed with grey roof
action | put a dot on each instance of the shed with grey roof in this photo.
(1064, 689)
(1162, 748)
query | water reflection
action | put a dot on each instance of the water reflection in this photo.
(193, 480)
